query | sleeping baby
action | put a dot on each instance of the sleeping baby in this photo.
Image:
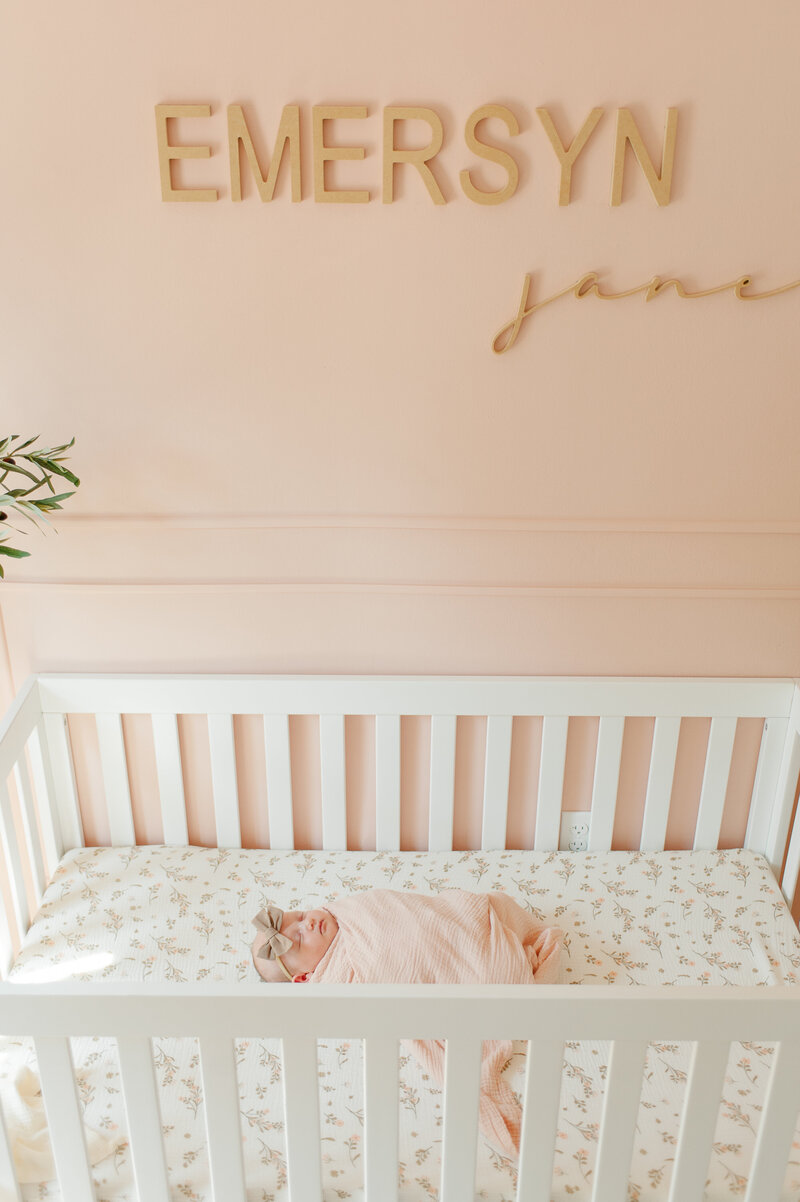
(451, 938)
(289, 946)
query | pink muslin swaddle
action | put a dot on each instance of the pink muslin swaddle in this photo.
(454, 938)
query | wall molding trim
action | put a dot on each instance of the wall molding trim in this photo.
(344, 521)
(433, 556)
(491, 558)
(219, 587)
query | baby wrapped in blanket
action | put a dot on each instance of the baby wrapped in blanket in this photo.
(452, 938)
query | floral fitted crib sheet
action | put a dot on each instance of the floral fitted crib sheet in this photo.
(183, 914)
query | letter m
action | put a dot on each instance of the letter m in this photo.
(239, 135)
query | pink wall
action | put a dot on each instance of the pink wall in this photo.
(298, 452)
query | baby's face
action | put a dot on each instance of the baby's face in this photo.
(311, 932)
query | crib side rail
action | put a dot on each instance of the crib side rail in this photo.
(410, 1011)
(408, 695)
(462, 1016)
(30, 830)
(442, 700)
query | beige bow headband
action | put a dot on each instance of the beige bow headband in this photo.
(269, 921)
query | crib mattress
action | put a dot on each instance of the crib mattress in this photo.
(183, 914)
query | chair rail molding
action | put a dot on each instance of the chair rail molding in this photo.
(451, 554)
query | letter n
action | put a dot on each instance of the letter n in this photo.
(627, 131)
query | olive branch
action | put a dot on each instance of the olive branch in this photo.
(39, 467)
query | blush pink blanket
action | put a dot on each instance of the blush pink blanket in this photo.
(451, 938)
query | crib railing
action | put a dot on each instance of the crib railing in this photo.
(711, 1018)
(40, 816)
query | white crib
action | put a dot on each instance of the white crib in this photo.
(40, 821)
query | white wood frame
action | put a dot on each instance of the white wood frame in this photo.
(35, 755)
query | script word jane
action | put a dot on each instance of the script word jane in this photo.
(590, 285)
(287, 144)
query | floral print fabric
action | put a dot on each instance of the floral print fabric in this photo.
(183, 914)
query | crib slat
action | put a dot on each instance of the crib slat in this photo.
(666, 733)
(381, 1120)
(495, 782)
(618, 1122)
(45, 798)
(223, 1131)
(776, 1129)
(223, 777)
(782, 810)
(332, 768)
(6, 944)
(301, 1112)
(13, 859)
(699, 1120)
(606, 782)
(540, 1121)
(166, 743)
(144, 1118)
(6, 931)
(462, 1073)
(58, 755)
(277, 753)
(443, 774)
(715, 783)
(28, 815)
(64, 1119)
(387, 782)
(766, 782)
(9, 1186)
(115, 778)
(791, 869)
(551, 782)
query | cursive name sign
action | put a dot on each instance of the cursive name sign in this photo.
(589, 285)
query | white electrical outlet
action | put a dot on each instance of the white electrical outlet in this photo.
(574, 830)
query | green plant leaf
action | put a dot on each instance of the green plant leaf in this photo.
(50, 452)
(52, 502)
(15, 467)
(28, 510)
(17, 503)
(33, 488)
(50, 465)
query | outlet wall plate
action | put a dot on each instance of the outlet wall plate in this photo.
(574, 834)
